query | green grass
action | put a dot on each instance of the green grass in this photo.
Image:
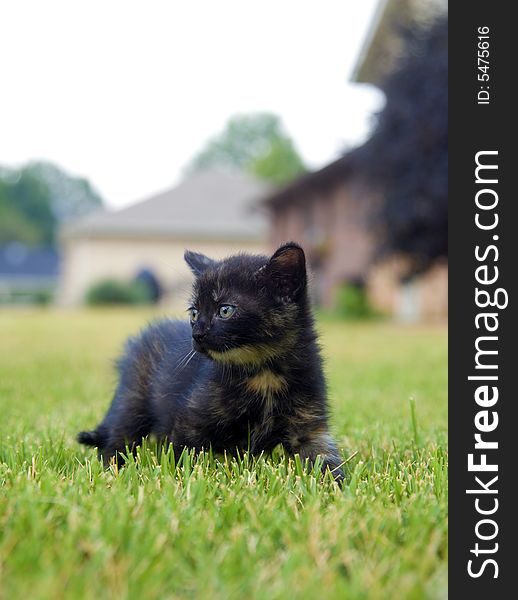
(211, 527)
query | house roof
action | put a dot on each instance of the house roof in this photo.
(209, 205)
(317, 181)
(383, 42)
(18, 261)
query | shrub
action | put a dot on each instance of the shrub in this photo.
(21, 296)
(115, 291)
(43, 297)
(352, 302)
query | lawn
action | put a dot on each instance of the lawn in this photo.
(211, 527)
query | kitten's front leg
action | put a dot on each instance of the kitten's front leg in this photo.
(314, 441)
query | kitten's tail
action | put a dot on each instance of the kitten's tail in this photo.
(90, 438)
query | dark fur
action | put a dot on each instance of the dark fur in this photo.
(253, 381)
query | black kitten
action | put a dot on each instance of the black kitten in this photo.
(245, 374)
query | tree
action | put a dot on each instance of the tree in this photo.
(406, 158)
(280, 164)
(36, 198)
(255, 143)
(71, 197)
(25, 209)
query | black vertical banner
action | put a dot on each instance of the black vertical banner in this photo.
(483, 262)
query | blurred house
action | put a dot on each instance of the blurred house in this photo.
(212, 212)
(326, 212)
(423, 296)
(330, 211)
(27, 275)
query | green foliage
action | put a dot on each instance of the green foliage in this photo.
(255, 143)
(70, 197)
(115, 291)
(25, 208)
(213, 527)
(35, 198)
(352, 303)
(280, 164)
(42, 297)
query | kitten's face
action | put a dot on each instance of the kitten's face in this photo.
(243, 308)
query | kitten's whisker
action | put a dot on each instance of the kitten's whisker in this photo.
(190, 358)
(183, 362)
(183, 366)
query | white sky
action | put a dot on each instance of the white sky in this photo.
(126, 92)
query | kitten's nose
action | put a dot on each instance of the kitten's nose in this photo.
(198, 336)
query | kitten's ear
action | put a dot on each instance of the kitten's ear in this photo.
(285, 272)
(197, 262)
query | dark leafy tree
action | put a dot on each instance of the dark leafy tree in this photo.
(406, 158)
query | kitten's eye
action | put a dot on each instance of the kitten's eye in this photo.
(226, 311)
(194, 313)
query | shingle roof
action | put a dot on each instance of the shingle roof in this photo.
(210, 204)
(313, 182)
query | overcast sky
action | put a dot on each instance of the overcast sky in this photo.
(125, 92)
